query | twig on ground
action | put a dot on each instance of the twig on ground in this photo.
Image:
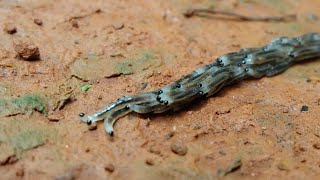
(203, 12)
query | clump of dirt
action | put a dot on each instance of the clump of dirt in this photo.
(38, 22)
(10, 28)
(26, 49)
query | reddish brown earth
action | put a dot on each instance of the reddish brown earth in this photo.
(254, 129)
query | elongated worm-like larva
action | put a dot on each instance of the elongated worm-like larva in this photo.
(269, 60)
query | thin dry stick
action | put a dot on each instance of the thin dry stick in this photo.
(200, 12)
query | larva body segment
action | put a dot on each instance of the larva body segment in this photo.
(304, 53)
(269, 60)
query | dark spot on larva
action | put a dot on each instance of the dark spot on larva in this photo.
(158, 98)
(201, 92)
(291, 55)
(304, 108)
(81, 114)
(166, 102)
(219, 61)
(111, 133)
(221, 64)
(178, 85)
(200, 85)
(160, 92)
(246, 70)
(127, 107)
(243, 62)
(161, 101)
(89, 122)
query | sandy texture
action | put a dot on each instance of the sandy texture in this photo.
(93, 52)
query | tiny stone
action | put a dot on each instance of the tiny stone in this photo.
(299, 148)
(169, 135)
(282, 167)
(222, 152)
(154, 150)
(10, 28)
(179, 149)
(316, 145)
(304, 108)
(20, 172)
(109, 167)
(54, 117)
(149, 162)
(308, 80)
(38, 22)
(285, 110)
(117, 25)
(264, 128)
(75, 23)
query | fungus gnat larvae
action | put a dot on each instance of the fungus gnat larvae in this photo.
(269, 60)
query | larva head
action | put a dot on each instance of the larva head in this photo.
(87, 119)
(84, 118)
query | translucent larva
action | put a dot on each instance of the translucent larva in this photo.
(269, 60)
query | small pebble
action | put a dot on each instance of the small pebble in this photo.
(38, 22)
(169, 135)
(298, 148)
(222, 152)
(154, 150)
(179, 149)
(75, 23)
(316, 145)
(117, 25)
(10, 28)
(20, 172)
(109, 167)
(54, 117)
(286, 110)
(304, 108)
(149, 162)
(26, 49)
(282, 167)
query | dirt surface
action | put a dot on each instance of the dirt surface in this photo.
(90, 53)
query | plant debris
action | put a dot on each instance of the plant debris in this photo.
(85, 87)
(204, 12)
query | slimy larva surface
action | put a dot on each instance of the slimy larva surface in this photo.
(269, 60)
